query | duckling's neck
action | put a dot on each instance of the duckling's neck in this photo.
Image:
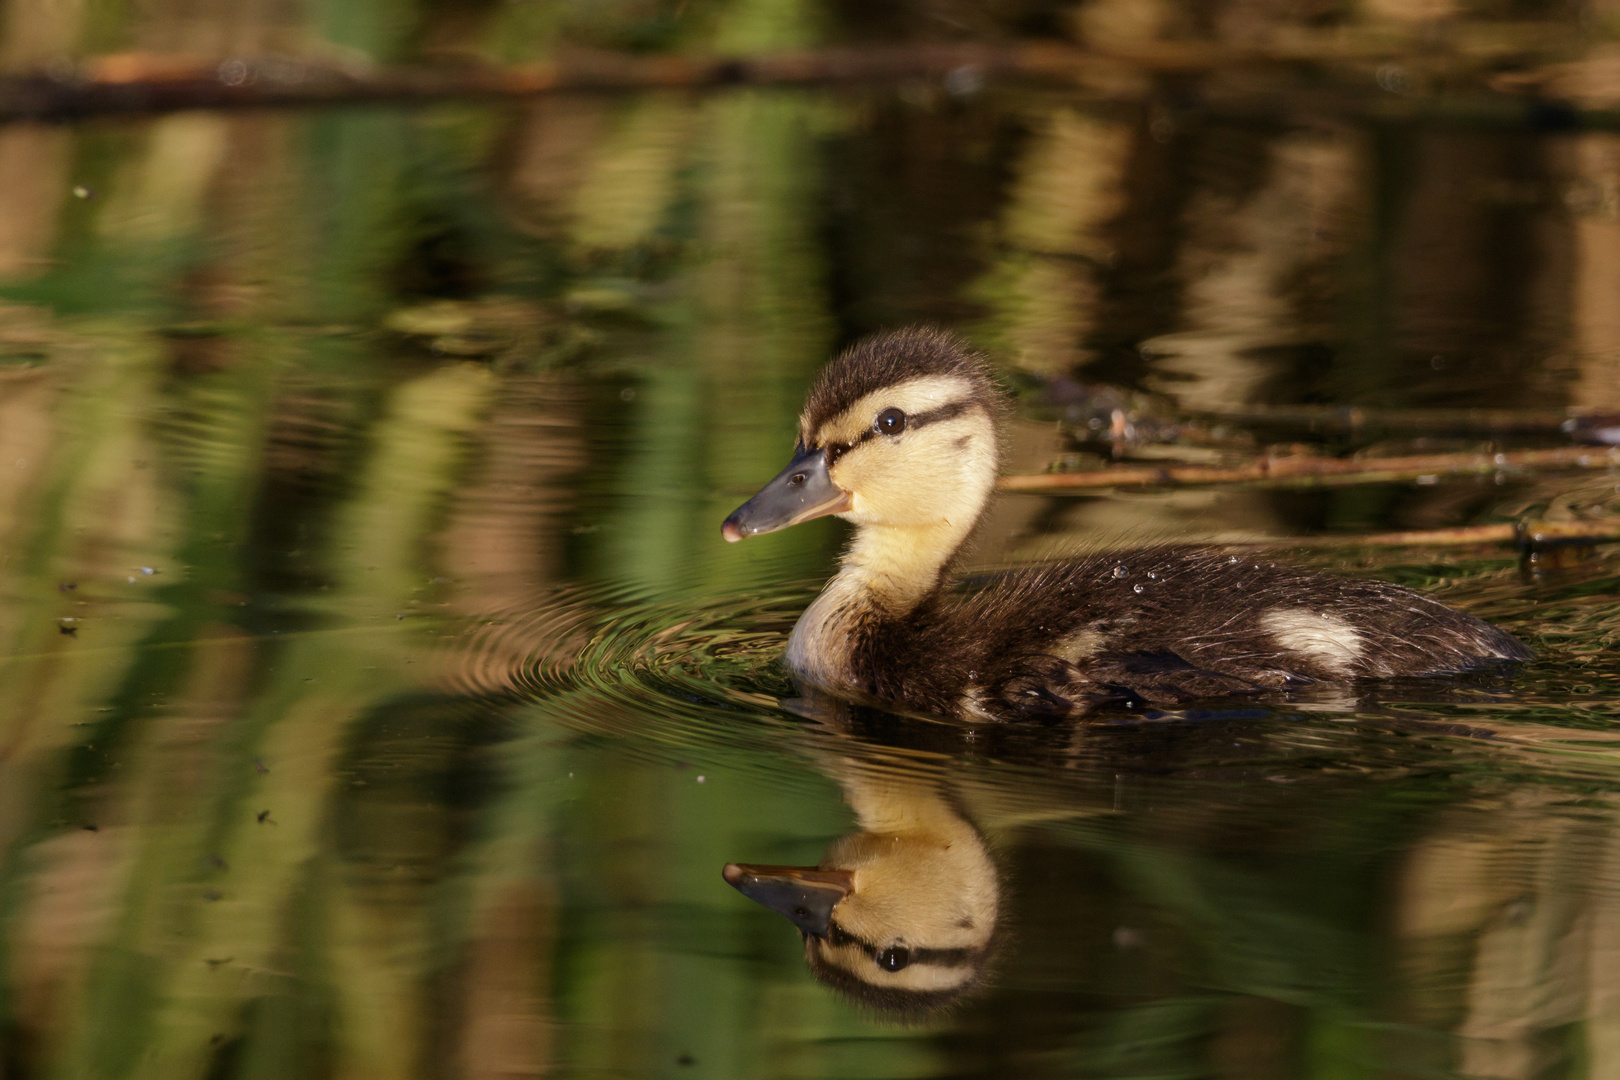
(896, 802)
(887, 572)
(910, 832)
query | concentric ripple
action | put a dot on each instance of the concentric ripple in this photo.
(618, 661)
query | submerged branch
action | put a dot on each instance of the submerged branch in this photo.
(1303, 470)
(138, 82)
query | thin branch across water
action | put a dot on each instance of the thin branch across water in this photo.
(1304, 470)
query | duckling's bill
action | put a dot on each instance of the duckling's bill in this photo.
(804, 894)
(800, 492)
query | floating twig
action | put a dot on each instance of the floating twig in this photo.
(1304, 470)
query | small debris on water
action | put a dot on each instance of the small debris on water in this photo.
(263, 818)
(702, 779)
(81, 192)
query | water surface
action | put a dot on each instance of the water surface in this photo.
(378, 699)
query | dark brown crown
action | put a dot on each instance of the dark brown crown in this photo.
(891, 358)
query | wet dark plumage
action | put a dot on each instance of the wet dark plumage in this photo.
(1191, 632)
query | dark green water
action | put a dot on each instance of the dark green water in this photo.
(377, 697)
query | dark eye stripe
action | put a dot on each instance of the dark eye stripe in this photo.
(837, 935)
(948, 411)
(945, 412)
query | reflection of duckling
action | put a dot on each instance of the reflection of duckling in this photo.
(900, 916)
(898, 436)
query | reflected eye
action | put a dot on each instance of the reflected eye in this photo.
(890, 422)
(894, 957)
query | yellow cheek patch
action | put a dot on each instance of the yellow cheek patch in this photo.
(923, 476)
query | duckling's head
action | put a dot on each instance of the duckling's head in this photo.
(898, 432)
(902, 923)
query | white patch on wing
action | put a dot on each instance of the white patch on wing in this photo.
(1327, 639)
(1079, 646)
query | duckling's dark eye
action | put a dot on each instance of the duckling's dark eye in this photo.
(890, 422)
(894, 957)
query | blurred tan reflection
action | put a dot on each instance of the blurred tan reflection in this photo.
(1046, 292)
(548, 153)
(1594, 200)
(35, 32)
(1409, 11)
(600, 177)
(628, 185)
(504, 533)
(506, 1016)
(1244, 262)
(1522, 898)
(159, 193)
(35, 170)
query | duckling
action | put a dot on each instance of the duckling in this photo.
(899, 437)
(900, 916)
